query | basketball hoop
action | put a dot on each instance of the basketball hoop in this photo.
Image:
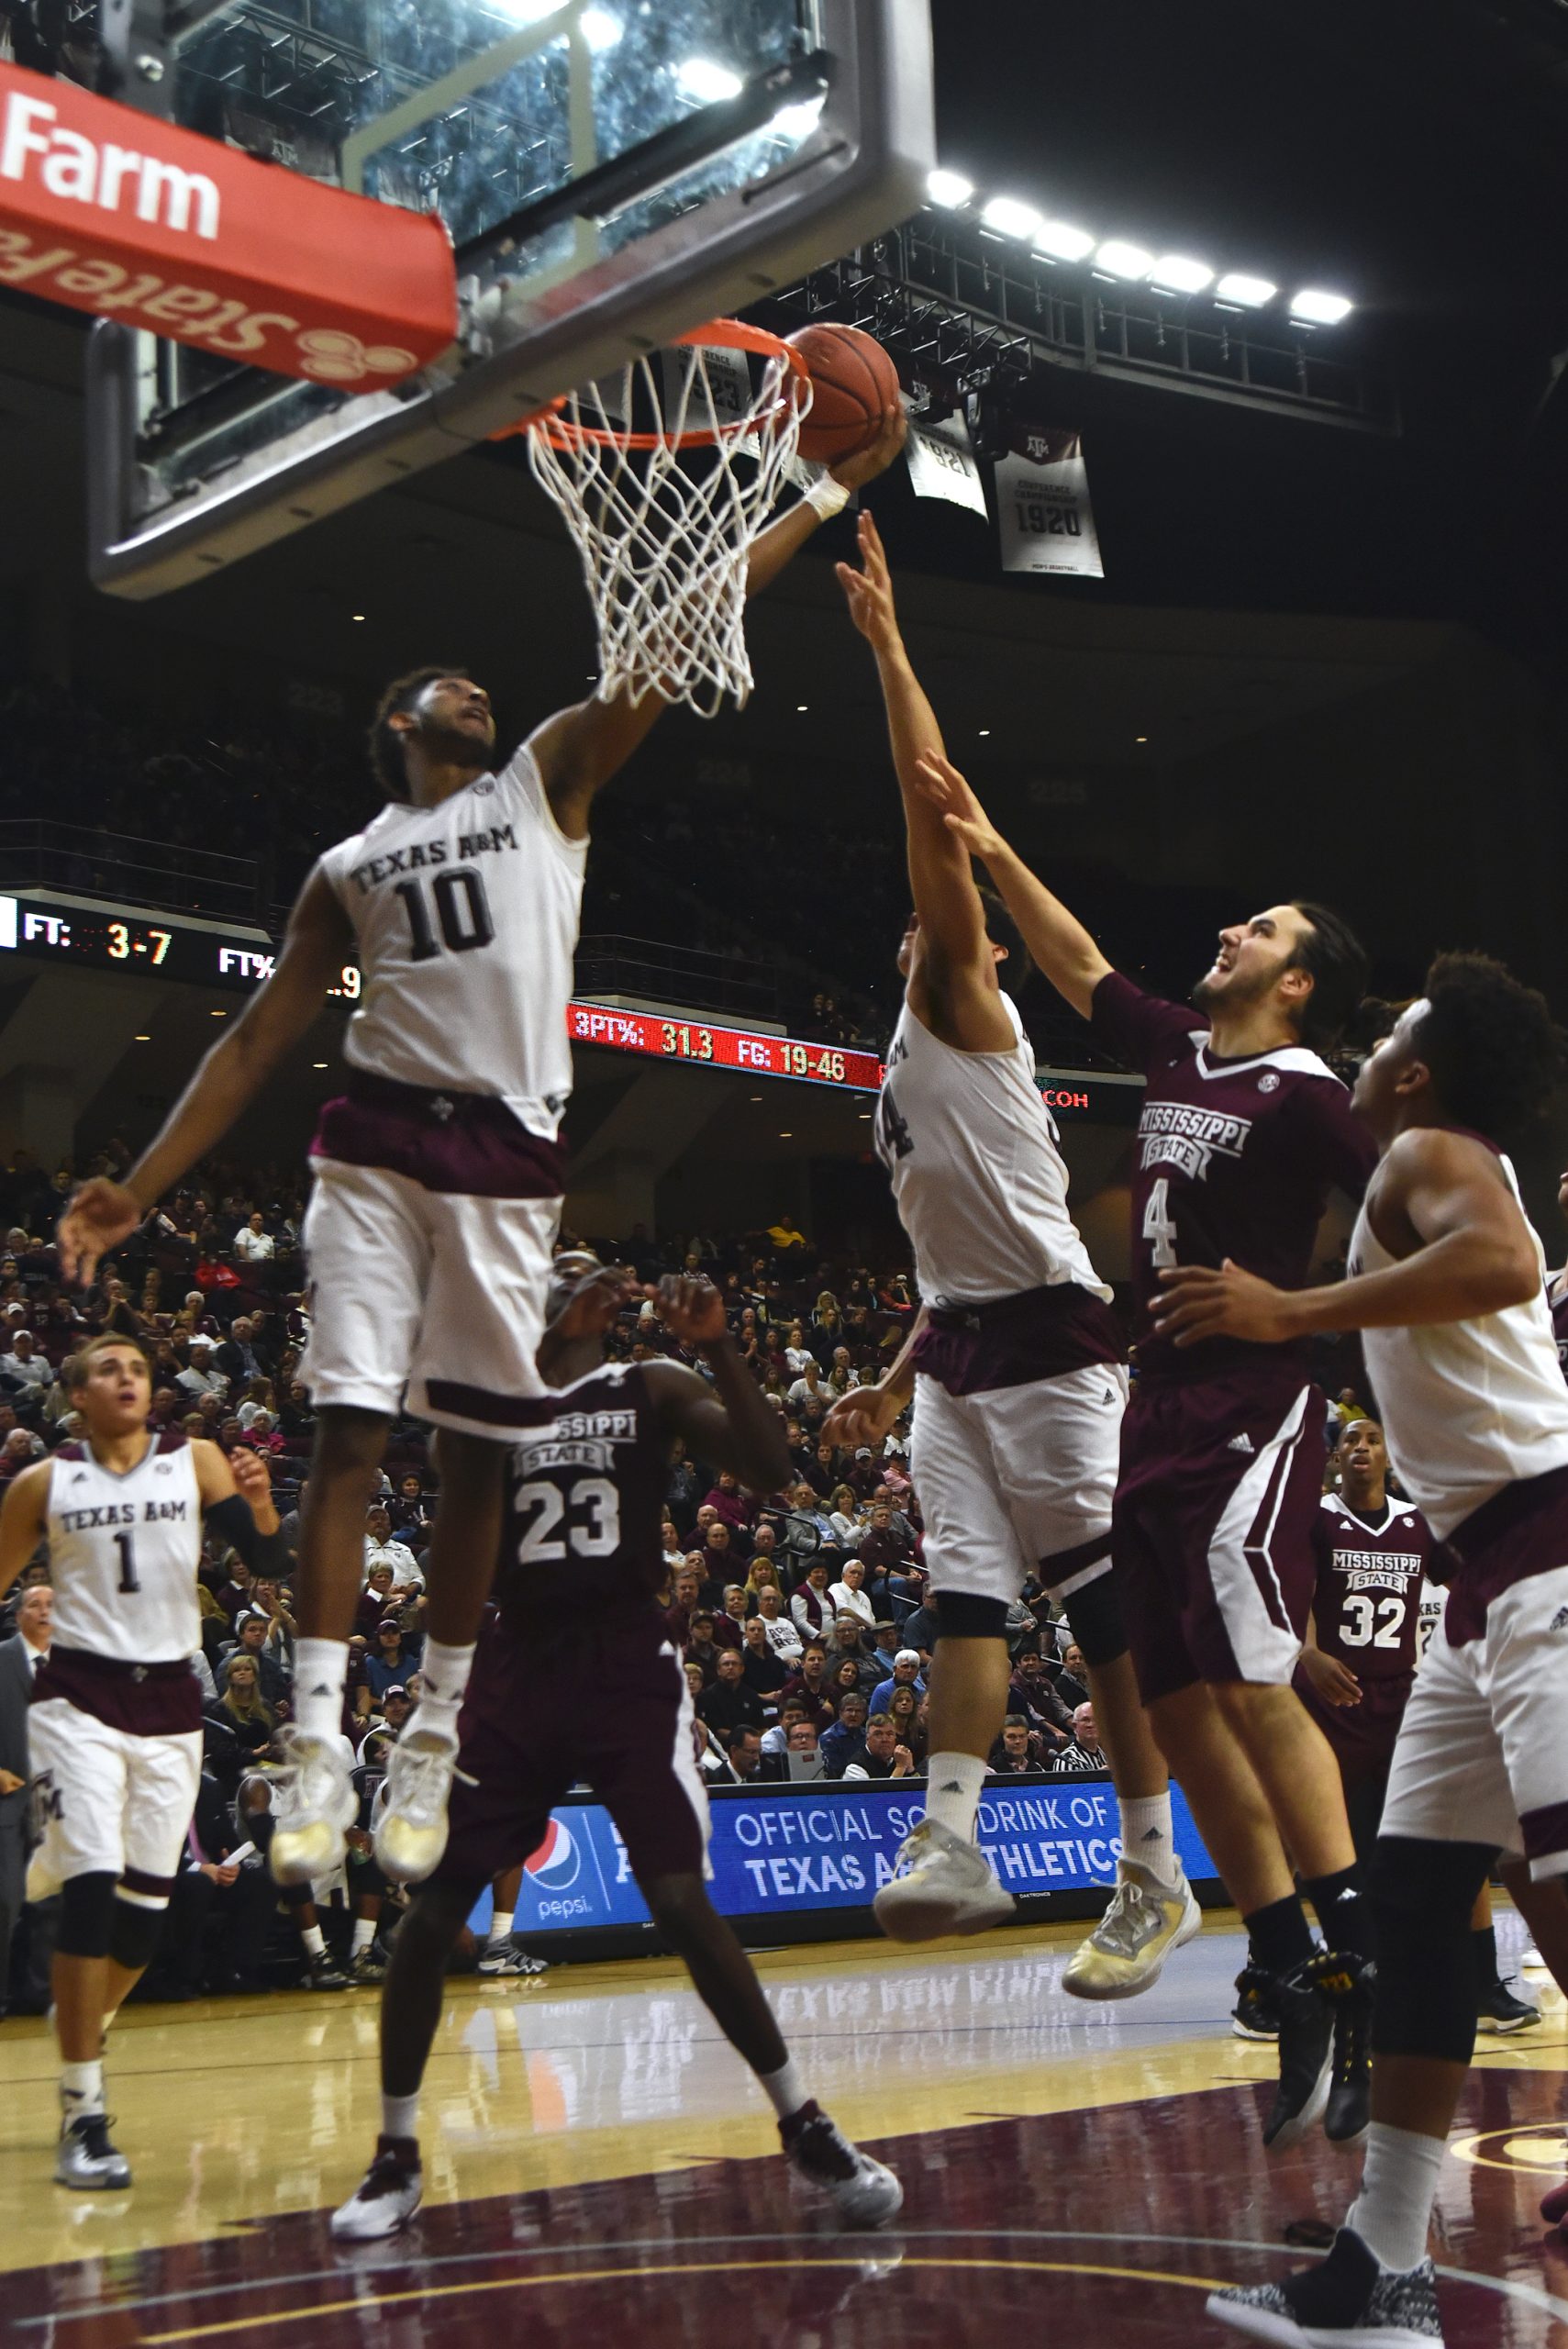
(665, 545)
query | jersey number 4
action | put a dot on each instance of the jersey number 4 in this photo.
(463, 909)
(1160, 1224)
(893, 1139)
(593, 1529)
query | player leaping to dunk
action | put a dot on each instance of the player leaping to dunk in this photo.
(1019, 1380)
(114, 1728)
(576, 1680)
(437, 1176)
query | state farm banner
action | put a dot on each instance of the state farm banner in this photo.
(940, 458)
(1043, 516)
(132, 217)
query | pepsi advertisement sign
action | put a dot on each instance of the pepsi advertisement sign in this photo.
(791, 1850)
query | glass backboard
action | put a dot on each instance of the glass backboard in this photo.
(611, 172)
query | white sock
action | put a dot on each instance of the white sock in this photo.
(501, 1924)
(444, 1678)
(785, 2090)
(315, 1941)
(320, 1668)
(952, 1791)
(400, 2115)
(365, 1933)
(1399, 2182)
(1149, 1837)
(81, 2090)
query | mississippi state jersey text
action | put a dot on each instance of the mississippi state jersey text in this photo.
(1367, 1605)
(585, 1496)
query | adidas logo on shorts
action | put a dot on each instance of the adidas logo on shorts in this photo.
(1559, 1620)
(1243, 1443)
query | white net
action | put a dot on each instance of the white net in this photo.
(665, 531)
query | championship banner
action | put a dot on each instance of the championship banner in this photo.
(780, 1851)
(132, 217)
(1043, 516)
(941, 464)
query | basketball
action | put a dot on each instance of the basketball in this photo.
(853, 380)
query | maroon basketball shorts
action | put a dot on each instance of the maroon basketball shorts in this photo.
(1363, 1736)
(604, 1702)
(1212, 1529)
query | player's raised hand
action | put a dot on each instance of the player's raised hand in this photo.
(690, 1307)
(868, 591)
(1200, 1302)
(853, 473)
(864, 1416)
(952, 795)
(98, 1215)
(252, 1476)
(595, 1304)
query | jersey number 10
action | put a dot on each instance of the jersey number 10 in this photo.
(462, 910)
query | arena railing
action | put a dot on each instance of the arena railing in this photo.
(164, 875)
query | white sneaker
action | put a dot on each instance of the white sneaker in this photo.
(387, 2196)
(85, 2160)
(408, 1824)
(314, 1805)
(944, 1885)
(864, 2192)
(1146, 1921)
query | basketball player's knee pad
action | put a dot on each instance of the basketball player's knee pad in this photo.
(1422, 1895)
(1094, 1618)
(86, 1915)
(964, 1615)
(135, 1933)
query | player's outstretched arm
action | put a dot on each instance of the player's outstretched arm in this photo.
(579, 749)
(1440, 1198)
(22, 1521)
(101, 1214)
(734, 1427)
(237, 1503)
(866, 1414)
(1056, 939)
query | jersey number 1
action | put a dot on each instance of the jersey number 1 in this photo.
(462, 910)
(126, 1549)
(1159, 1224)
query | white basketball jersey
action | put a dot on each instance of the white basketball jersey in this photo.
(466, 920)
(123, 1553)
(977, 1177)
(1467, 1406)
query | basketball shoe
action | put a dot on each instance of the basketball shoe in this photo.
(944, 1885)
(1146, 1921)
(1306, 2059)
(1500, 2011)
(1254, 2015)
(385, 2197)
(314, 1805)
(86, 2159)
(408, 1823)
(505, 1961)
(864, 2192)
(1349, 2297)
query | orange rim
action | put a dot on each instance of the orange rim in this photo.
(727, 334)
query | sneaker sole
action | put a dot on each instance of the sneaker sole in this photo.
(1246, 2031)
(301, 1858)
(918, 1918)
(1300, 2125)
(371, 2235)
(1263, 2325)
(1498, 2027)
(400, 1866)
(93, 2184)
(1188, 1929)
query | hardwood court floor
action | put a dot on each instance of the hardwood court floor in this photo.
(600, 2166)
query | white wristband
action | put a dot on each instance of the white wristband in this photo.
(827, 497)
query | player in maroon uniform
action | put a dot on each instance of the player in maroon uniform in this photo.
(576, 1680)
(1244, 1133)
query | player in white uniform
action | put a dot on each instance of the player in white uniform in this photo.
(1015, 1363)
(1447, 1284)
(113, 1730)
(439, 1176)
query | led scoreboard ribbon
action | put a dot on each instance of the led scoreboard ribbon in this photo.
(685, 1040)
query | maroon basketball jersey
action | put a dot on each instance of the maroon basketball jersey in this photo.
(1367, 1605)
(1233, 1158)
(585, 1498)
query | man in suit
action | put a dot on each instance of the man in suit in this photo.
(19, 1659)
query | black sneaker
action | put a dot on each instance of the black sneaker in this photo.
(1347, 1981)
(1255, 2014)
(86, 2158)
(1499, 2011)
(1305, 2057)
(387, 2196)
(322, 1974)
(1348, 2297)
(862, 2191)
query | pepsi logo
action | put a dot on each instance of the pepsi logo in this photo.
(556, 1863)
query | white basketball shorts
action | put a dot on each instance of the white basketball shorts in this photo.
(1482, 1750)
(108, 1803)
(436, 1292)
(1018, 1480)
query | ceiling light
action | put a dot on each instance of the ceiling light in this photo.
(600, 29)
(801, 707)
(1140, 738)
(755, 1096)
(787, 1135)
(949, 187)
(864, 1117)
(1123, 259)
(141, 1040)
(984, 732)
(317, 1063)
(220, 1015)
(356, 616)
(1182, 275)
(1251, 292)
(1011, 219)
(1320, 310)
(1062, 241)
(795, 122)
(701, 78)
